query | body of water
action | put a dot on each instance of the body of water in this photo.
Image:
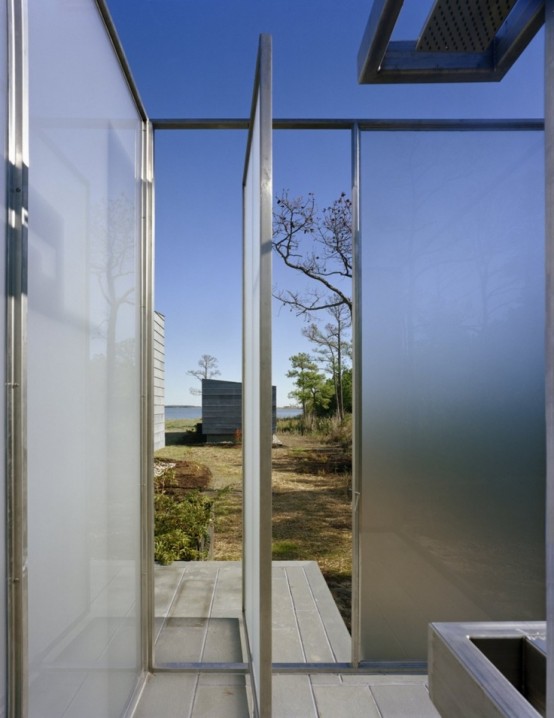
(195, 412)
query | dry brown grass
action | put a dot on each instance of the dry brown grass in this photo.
(223, 460)
(312, 518)
(311, 506)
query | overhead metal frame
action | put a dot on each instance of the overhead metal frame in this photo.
(383, 61)
(120, 53)
(392, 125)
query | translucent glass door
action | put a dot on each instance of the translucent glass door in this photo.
(257, 392)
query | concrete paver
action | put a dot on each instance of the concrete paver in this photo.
(202, 621)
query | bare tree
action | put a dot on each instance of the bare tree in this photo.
(334, 349)
(319, 245)
(208, 369)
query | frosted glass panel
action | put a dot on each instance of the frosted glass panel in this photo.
(452, 415)
(257, 390)
(83, 365)
(251, 398)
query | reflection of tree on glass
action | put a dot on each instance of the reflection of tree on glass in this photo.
(113, 263)
(462, 260)
(452, 406)
(455, 271)
(112, 312)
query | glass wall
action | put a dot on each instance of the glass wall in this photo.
(452, 382)
(83, 368)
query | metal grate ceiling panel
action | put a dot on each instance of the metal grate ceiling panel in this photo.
(463, 25)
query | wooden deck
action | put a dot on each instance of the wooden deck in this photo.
(198, 619)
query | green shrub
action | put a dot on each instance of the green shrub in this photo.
(328, 428)
(292, 425)
(181, 526)
(340, 432)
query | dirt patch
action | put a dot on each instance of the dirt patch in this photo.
(316, 460)
(183, 476)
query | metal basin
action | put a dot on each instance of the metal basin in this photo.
(492, 670)
(522, 662)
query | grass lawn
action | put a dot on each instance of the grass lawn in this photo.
(311, 504)
(180, 424)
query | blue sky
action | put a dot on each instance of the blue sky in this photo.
(196, 59)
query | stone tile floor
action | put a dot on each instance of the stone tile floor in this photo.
(189, 695)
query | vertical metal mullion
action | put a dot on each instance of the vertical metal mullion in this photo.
(549, 336)
(266, 395)
(356, 393)
(16, 362)
(147, 380)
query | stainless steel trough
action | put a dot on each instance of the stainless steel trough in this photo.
(490, 670)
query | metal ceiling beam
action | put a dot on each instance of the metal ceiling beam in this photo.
(405, 125)
(382, 19)
(523, 23)
(403, 63)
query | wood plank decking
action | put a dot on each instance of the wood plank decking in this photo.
(198, 619)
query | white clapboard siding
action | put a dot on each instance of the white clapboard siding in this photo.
(159, 381)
